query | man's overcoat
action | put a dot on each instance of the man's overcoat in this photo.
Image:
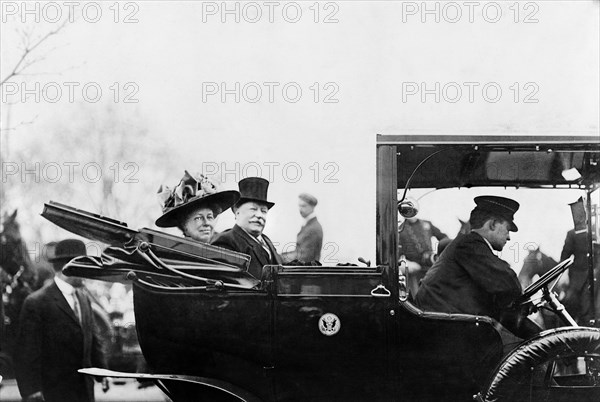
(309, 241)
(53, 345)
(468, 278)
(236, 239)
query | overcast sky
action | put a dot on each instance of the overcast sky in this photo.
(315, 83)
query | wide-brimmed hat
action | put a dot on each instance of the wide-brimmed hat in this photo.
(192, 192)
(254, 189)
(67, 250)
(502, 207)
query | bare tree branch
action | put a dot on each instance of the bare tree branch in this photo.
(22, 123)
(23, 63)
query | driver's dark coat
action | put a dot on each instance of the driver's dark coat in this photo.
(237, 239)
(468, 278)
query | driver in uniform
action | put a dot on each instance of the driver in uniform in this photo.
(469, 278)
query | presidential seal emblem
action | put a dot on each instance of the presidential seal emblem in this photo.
(329, 324)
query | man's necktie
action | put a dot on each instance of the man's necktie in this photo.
(264, 245)
(76, 305)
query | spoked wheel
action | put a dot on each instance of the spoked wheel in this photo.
(562, 364)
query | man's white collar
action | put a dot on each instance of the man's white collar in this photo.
(65, 288)
(489, 244)
(309, 217)
(250, 234)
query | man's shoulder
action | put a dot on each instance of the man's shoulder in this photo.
(40, 296)
(470, 238)
(224, 237)
(313, 224)
(224, 234)
(229, 235)
(469, 241)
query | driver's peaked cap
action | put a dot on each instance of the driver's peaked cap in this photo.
(500, 206)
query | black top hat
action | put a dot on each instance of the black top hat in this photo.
(191, 193)
(254, 189)
(67, 250)
(503, 207)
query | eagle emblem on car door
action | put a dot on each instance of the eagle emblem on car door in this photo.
(329, 324)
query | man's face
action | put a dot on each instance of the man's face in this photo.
(252, 217)
(305, 208)
(499, 234)
(200, 224)
(74, 281)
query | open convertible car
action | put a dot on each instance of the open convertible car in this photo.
(211, 332)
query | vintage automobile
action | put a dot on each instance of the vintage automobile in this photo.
(210, 331)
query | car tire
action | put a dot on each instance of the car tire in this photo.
(524, 374)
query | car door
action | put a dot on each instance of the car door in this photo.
(331, 334)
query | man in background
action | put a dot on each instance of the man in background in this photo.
(309, 241)
(58, 336)
(577, 301)
(414, 240)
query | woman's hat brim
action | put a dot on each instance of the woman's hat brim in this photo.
(222, 199)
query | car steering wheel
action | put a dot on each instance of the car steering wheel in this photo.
(544, 280)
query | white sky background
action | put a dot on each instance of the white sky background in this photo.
(368, 54)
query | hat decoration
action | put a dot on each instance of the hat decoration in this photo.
(188, 188)
(192, 190)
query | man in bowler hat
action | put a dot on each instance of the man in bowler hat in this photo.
(247, 236)
(58, 336)
(468, 277)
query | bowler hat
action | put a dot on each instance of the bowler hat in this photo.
(502, 207)
(254, 189)
(67, 250)
(192, 192)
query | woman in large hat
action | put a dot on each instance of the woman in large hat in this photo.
(193, 206)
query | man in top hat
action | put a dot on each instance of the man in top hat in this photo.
(310, 238)
(247, 236)
(468, 277)
(58, 336)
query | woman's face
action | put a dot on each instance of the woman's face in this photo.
(199, 224)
